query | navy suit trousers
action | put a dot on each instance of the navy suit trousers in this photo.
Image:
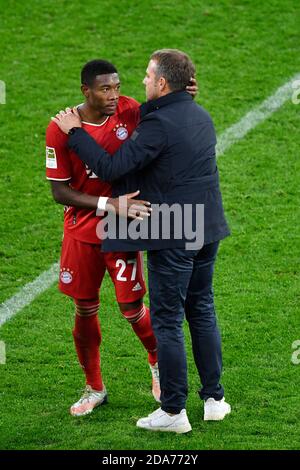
(180, 284)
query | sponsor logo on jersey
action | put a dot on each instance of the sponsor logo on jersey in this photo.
(66, 275)
(121, 131)
(51, 161)
(137, 287)
(90, 173)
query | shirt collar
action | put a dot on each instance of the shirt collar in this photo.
(173, 97)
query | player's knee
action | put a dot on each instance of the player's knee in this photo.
(126, 307)
(136, 313)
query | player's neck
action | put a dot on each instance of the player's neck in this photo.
(91, 115)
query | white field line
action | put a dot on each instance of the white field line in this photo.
(260, 113)
(28, 293)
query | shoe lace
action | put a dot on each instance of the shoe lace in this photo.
(87, 394)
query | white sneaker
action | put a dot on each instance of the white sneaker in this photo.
(155, 382)
(159, 420)
(215, 410)
(89, 400)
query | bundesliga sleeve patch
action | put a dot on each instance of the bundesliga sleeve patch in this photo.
(51, 161)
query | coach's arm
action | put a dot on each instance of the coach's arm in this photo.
(144, 146)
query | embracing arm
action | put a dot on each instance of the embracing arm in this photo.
(143, 147)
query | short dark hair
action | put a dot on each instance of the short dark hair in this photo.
(175, 66)
(93, 68)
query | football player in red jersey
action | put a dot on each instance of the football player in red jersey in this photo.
(110, 119)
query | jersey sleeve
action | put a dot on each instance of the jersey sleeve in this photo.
(58, 164)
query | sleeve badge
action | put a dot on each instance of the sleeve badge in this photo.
(51, 161)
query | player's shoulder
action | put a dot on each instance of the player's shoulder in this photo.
(126, 102)
(52, 127)
(54, 132)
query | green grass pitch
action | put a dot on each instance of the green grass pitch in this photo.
(244, 50)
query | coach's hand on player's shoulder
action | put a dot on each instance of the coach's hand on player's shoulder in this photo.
(67, 119)
(193, 89)
(126, 206)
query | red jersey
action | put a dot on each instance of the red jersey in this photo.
(62, 164)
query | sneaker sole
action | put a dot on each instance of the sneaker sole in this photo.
(77, 415)
(179, 430)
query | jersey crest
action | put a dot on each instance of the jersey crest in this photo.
(121, 131)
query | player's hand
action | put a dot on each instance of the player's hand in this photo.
(192, 89)
(127, 206)
(67, 119)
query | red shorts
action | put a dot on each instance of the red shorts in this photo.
(83, 265)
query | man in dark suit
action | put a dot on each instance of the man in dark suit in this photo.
(171, 159)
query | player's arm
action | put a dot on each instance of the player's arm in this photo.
(125, 205)
(143, 147)
(63, 194)
(59, 172)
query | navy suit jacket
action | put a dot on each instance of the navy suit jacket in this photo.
(170, 158)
